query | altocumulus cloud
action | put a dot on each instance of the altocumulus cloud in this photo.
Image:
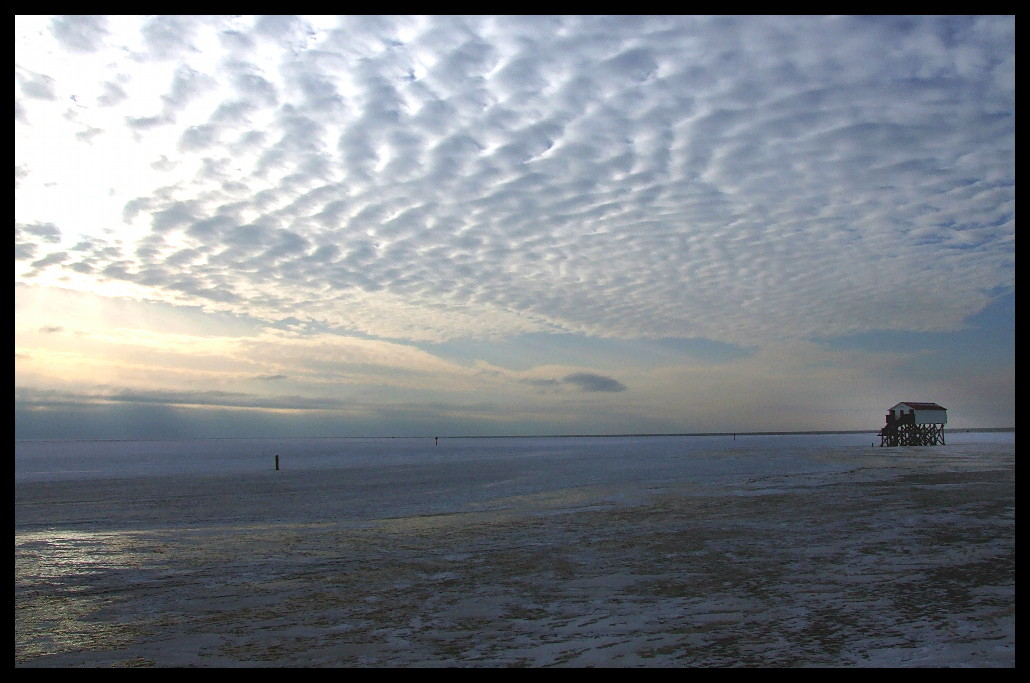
(741, 181)
(723, 178)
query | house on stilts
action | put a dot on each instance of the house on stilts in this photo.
(914, 424)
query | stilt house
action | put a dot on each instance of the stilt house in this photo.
(914, 424)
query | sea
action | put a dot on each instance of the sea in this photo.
(637, 551)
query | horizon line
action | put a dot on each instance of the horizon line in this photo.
(515, 436)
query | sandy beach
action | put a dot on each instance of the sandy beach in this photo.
(867, 558)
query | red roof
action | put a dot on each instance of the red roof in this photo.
(923, 406)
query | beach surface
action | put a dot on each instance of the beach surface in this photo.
(553, 554)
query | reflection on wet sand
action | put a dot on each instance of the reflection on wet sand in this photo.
(879, 567)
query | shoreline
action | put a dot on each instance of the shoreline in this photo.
(965, 430)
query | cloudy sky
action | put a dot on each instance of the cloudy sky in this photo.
(343, 226)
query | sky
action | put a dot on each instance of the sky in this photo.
(315, 226)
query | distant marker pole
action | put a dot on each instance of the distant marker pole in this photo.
(277, 463)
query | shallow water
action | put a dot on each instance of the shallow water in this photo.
(636, 552)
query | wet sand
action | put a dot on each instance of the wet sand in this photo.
(908, 560)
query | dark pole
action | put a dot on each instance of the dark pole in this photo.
(277, 463)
